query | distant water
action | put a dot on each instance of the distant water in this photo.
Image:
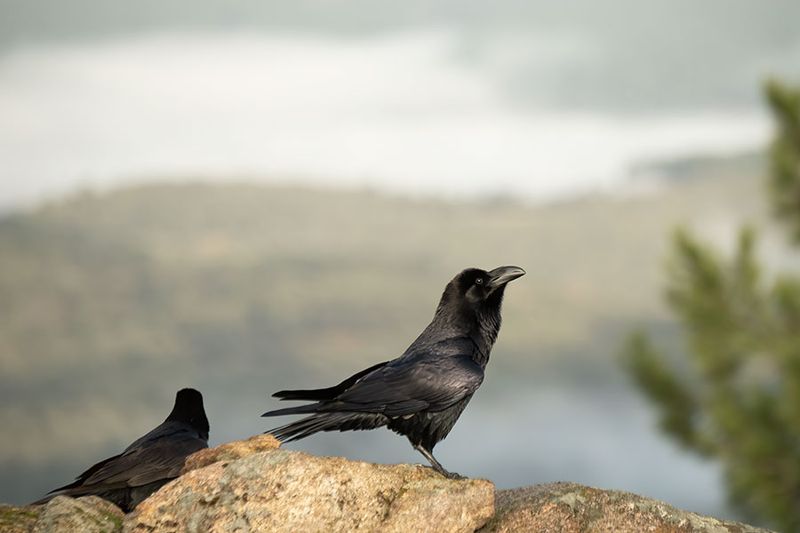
(398, 113)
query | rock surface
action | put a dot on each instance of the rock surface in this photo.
(62, 514)
(230, 451)
(18, 519)
(279, 490)
(572, 508)
(252, 485)
(88, 514)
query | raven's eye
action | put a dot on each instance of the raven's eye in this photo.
(479, 281)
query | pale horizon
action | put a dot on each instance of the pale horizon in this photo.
(399, 113)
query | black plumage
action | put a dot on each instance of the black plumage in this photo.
(422, 393)
(150, 461)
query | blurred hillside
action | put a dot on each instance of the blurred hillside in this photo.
(112, 301)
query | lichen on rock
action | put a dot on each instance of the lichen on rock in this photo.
(573, 508)
(63, 514)
(18, 519)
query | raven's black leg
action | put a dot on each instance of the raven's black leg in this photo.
(436, 464)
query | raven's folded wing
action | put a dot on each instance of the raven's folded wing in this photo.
(407, 386)
(81, 479)
(156, 460)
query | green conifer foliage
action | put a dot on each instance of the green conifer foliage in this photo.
(738, 398)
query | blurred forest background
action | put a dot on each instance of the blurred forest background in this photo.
(244, 198)
(739, 398)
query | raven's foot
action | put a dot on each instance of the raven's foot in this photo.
(436, 465)
(452, 475)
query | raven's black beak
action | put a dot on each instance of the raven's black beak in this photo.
(502, 275)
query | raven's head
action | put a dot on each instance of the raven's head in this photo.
(476, 289)
(189, 409)
(470, 306)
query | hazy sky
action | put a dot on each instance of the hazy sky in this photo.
(458, 99)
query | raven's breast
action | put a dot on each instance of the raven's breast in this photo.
(427, 428)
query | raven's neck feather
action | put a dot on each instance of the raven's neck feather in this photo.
(481, 326)
(488, 327)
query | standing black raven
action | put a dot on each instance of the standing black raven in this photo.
(149, 462)
(422, 393)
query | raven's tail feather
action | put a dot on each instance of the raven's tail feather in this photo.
(299, 410)
(44, 500)
(72, 491)
(328, 422)
(313, 395)
(318, 395)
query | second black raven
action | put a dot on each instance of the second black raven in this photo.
(150, 461)
(422, 393)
